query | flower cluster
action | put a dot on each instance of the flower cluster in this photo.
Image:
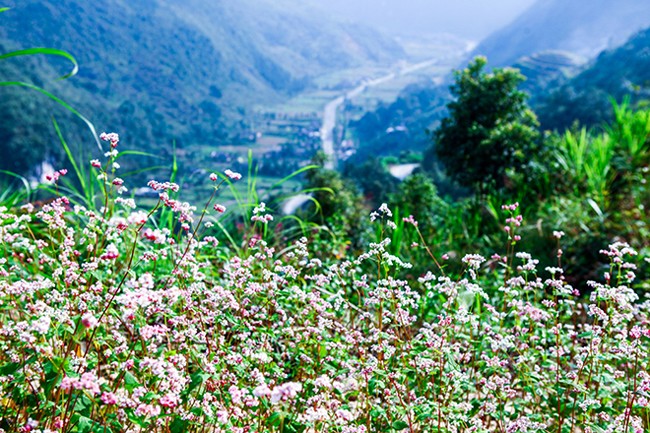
(119, 320)
(54, 176)
(112, 138)
(260, 214)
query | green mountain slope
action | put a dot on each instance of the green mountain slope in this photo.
(618, 73)
(583, 27)
(547, 69)
(157, 70)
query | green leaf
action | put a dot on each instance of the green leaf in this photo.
(130, 381)
(84, 425)
(178, 426)
(276, 419)
(149, 396)
(400, 425)
(52, 374)
(597, 429)
(83, 404)
(197, 379)
(9, 368)
(377, 412)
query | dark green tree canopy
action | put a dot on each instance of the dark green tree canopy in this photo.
(490, 130)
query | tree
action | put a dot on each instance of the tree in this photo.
(418, 196)
(340, 205)
(374, 180)
(490, 130)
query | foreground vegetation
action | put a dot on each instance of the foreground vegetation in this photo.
(118, 318)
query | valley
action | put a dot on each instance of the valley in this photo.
(283, 138)
(224, 85)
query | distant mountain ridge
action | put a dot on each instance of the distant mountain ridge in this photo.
(582, 27)
(157, 70)
(586, 98)
(550, 43)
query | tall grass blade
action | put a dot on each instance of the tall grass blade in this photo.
(9, 198)
(46, 51)
(294, 174)
(144, 170)
(228, 236)
(141, 153)
(58, 101)
(81, 175)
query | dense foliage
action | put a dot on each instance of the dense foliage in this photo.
(489, 130)
(111, 322)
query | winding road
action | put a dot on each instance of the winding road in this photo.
(332, 107)
(329, 121)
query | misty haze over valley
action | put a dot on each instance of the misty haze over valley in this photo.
(470, 19)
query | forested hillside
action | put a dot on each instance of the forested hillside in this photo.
(586, 98)
(160, 70)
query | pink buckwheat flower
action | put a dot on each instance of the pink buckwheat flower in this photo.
(112, 137)
(232, 174)
(511, 207)
(89, 320)
(219, 208)
(163, 186)
(67, 383)
(89, 382)
(30, 426)
(148, 410)
(285, 392)
(168, 400)
(109, 398)
(262, 390)
(410, 220)
(111, 253)
(53, 177)
(137, 218)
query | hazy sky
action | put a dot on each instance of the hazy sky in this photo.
(473, 19)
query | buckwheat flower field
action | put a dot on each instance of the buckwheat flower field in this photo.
(113, 322)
